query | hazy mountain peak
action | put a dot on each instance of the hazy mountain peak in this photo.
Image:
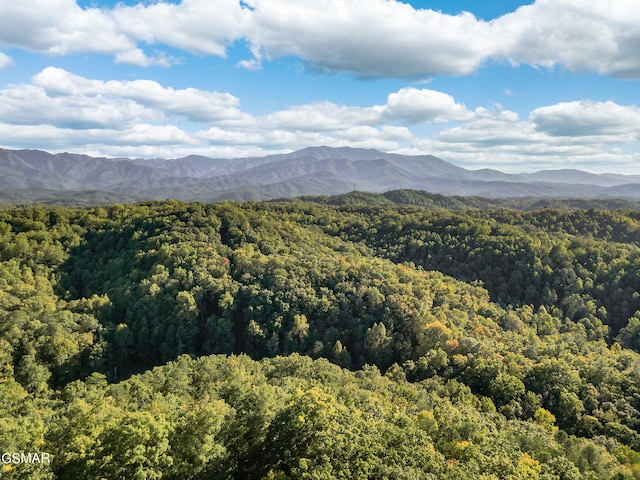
(317, 170)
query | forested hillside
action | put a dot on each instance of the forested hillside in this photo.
(320, 339)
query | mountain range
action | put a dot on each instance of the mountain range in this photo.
(35, 174)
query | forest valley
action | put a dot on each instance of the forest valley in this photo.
(320, 338)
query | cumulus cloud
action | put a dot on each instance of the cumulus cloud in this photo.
(586, 118)
(421, 105)
(372, 38)
(197, 26)
(594, 36)
(32, 105)
(58, 110)
(408, 106)
(193, 104)
(500, 139)
(61, 27)
(376, 38)
(139, 113)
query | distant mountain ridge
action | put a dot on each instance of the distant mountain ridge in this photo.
(311, 171)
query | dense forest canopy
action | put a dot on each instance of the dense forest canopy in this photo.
(336, 337)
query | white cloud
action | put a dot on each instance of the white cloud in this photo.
(367, 38)
(32, 105)
(58, 111)
(382, 38)
(197, 26)
(324, 116)
(190, 103)
(584, 36)
(252, 64)
(5, 60)
(499, 139)
(587, 118)
(60, 27)
(407, 106)
(417, 106)
(376, 38)
(137, 57)
(144, 134)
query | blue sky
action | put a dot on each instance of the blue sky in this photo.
(512, 85)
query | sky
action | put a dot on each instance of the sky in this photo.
(513, 85)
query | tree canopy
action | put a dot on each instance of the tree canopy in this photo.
(299, 339)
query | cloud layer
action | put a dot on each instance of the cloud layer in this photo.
(376, 38)
(58, 110)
